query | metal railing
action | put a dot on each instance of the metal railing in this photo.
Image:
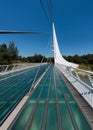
(82, 80)
(13, 67)
(82, 75)
(5, 68)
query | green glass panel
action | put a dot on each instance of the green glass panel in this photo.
(37, 120)
(23, 118)
(65, 117)
(80, 120)
(51, 123)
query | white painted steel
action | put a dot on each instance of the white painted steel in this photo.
(57, 55)
(17, 69)
(85, 90)
(71, 72)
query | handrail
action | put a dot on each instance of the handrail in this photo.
(78, 72)
(69, 108)
(82, 80)
(5, 68)
(35, 105)
(88, 72)
(13, 67)
(43, 127)
(57, 105)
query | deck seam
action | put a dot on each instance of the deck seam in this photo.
(78, 100)
(11, 118)
(43, 127)
(57, 106)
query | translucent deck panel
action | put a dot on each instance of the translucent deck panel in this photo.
(52, 107)
(13, 87)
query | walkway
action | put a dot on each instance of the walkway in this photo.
(14, 87)
(50, 107)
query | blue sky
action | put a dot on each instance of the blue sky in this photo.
(73, 22)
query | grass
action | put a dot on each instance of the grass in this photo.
(86, 67)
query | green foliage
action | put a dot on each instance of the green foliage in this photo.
(12, 51)
(3, 54)
(84, 59)
(85, 67)
(7, 54)
(50, 59)
(37, 58)
(34, 59)
(3, 51)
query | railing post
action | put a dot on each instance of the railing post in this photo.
(77, 75)
(6, 68)
(90, 79)
(13, 67)
(92, 98)
(68, 69)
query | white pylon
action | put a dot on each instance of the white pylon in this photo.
(58, 59)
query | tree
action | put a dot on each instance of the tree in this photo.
(3, 54)
(12, 51)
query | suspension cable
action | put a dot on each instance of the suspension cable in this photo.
(37, 72)
(44, 10)
(49, 3)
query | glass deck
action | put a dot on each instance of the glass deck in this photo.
(51, 107)
(14, 87)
